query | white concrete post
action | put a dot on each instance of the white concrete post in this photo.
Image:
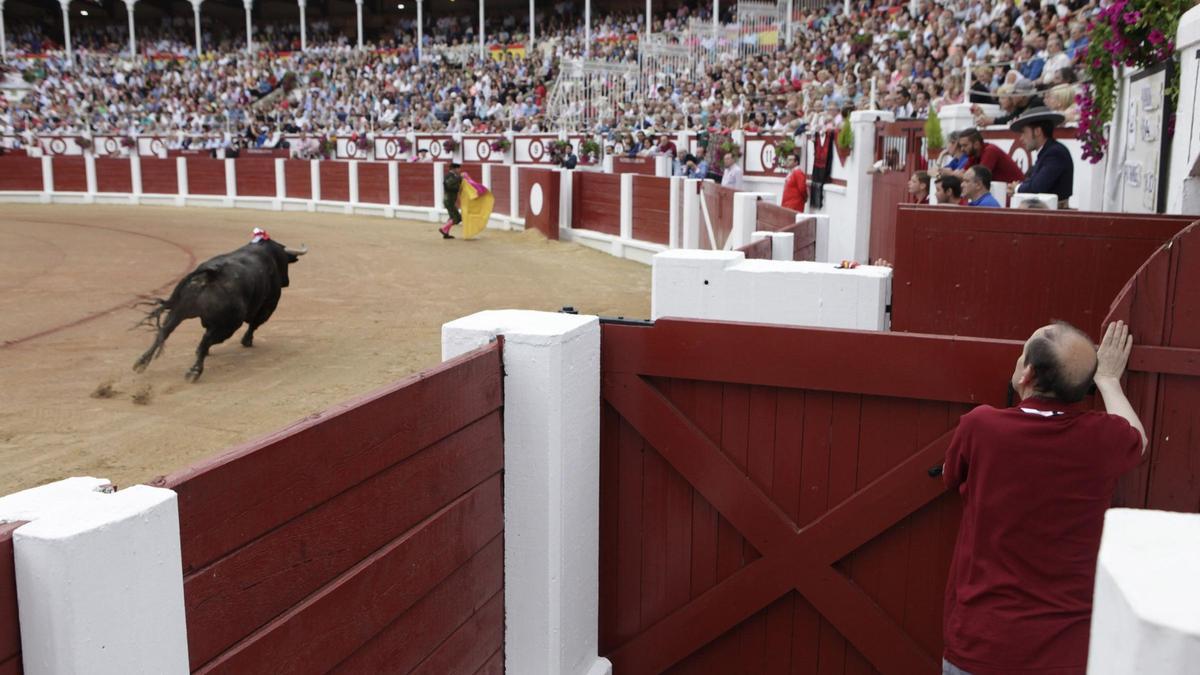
(846, 7)
(89, 172)
(280, 179)
(663, 165)
(783, 246)
(47, 174)
(851, 240)
(420, 30)
(691, 213)
(531, 27)
(788, 25)
(481, 31)
(181, 180)
(716, 15)
(352, 176)
(393, 184)
(315, 181)
(626, 206)
(132, 35)
(99, 582)
(821, 254)
(358, 4)
(66, 12)
(249, 28)
(1144, 609)
(4, 36)
(196, 23)
(745, 218)
(674, 211)
(514, 191)
(587, 28)
(551, 485)
(439, 191)
(649, 25)
(135, 176)
(565, 198)
(230, 179)
(304, 26)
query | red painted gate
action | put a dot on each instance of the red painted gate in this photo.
(768, 509)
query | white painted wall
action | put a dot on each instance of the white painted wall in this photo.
(1146, 608)
(724, 286)
(1183, 189)
(551, 485)
(99, 579)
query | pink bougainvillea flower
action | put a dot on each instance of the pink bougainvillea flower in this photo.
(1156, 36)
(1132, 17)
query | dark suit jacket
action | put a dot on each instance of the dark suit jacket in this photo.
(1053, 172)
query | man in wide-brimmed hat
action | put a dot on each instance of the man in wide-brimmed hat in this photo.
(1054, 171)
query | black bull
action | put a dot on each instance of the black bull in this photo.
(224, 292)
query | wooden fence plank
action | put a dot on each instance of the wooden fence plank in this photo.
(10, 622)
(472, 644)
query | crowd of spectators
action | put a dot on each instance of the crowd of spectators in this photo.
(909, 58)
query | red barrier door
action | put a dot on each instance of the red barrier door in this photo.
(766, 502)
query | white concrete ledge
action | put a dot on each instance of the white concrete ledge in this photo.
(724, 286)
(99, 579)
(1146, 608)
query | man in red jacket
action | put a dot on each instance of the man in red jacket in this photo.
(795, 188)
(989, 156)
(1035, 482)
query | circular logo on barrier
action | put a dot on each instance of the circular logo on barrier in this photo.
(1021, 156)
(536, 150)
(767, 156)
(483, 149)
(390, 148)
(535, 199)
(110, 146)
(435, 149)
(58, 146)
(157, 147)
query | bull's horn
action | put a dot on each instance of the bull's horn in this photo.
(297, 252)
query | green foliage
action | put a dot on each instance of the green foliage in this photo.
(934, 140)
(845, 137)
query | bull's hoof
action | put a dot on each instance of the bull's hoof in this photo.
(193, 374)
(140, 366)
(247, 342)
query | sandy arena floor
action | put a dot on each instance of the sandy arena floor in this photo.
(364, 308)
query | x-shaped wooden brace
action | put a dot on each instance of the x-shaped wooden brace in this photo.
(792, 558)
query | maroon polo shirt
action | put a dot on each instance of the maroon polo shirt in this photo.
(1003, 168)
(1035, 481)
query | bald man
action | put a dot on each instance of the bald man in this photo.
(1035, 481)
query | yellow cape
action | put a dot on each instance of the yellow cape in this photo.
(476, 209)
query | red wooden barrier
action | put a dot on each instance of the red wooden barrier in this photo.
(1159, 304)
(652, 209)
(772, 218)
(596, 202)
(255, 176)
(765, 498)
(159, 176)
(888, 191)
(719, 201)
(113, 175)
(757, 250)
(70, 174)
(297, 178)
(540, 189)
(642, 165)
(1003, 273)
(501, 186)
(367, 534)
(206, 176)
(335, 181)
(416, 183)
(373, 182)
(10, 625)
(21, 173)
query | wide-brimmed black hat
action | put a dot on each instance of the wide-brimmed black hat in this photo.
(1039, 114)
(455, 165)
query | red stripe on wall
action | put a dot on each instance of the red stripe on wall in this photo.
(159, 176)
(255, 176)
(416, 183)
(596, 202)
(18, 172)
(501, 186)
(652, 209)
(70, 174)
(113, 174)
(297, 179)
(206, 176)
(373, 182)
(335, 181)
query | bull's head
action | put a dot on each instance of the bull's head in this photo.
(283, 257)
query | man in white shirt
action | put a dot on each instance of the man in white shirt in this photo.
(732, 178)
